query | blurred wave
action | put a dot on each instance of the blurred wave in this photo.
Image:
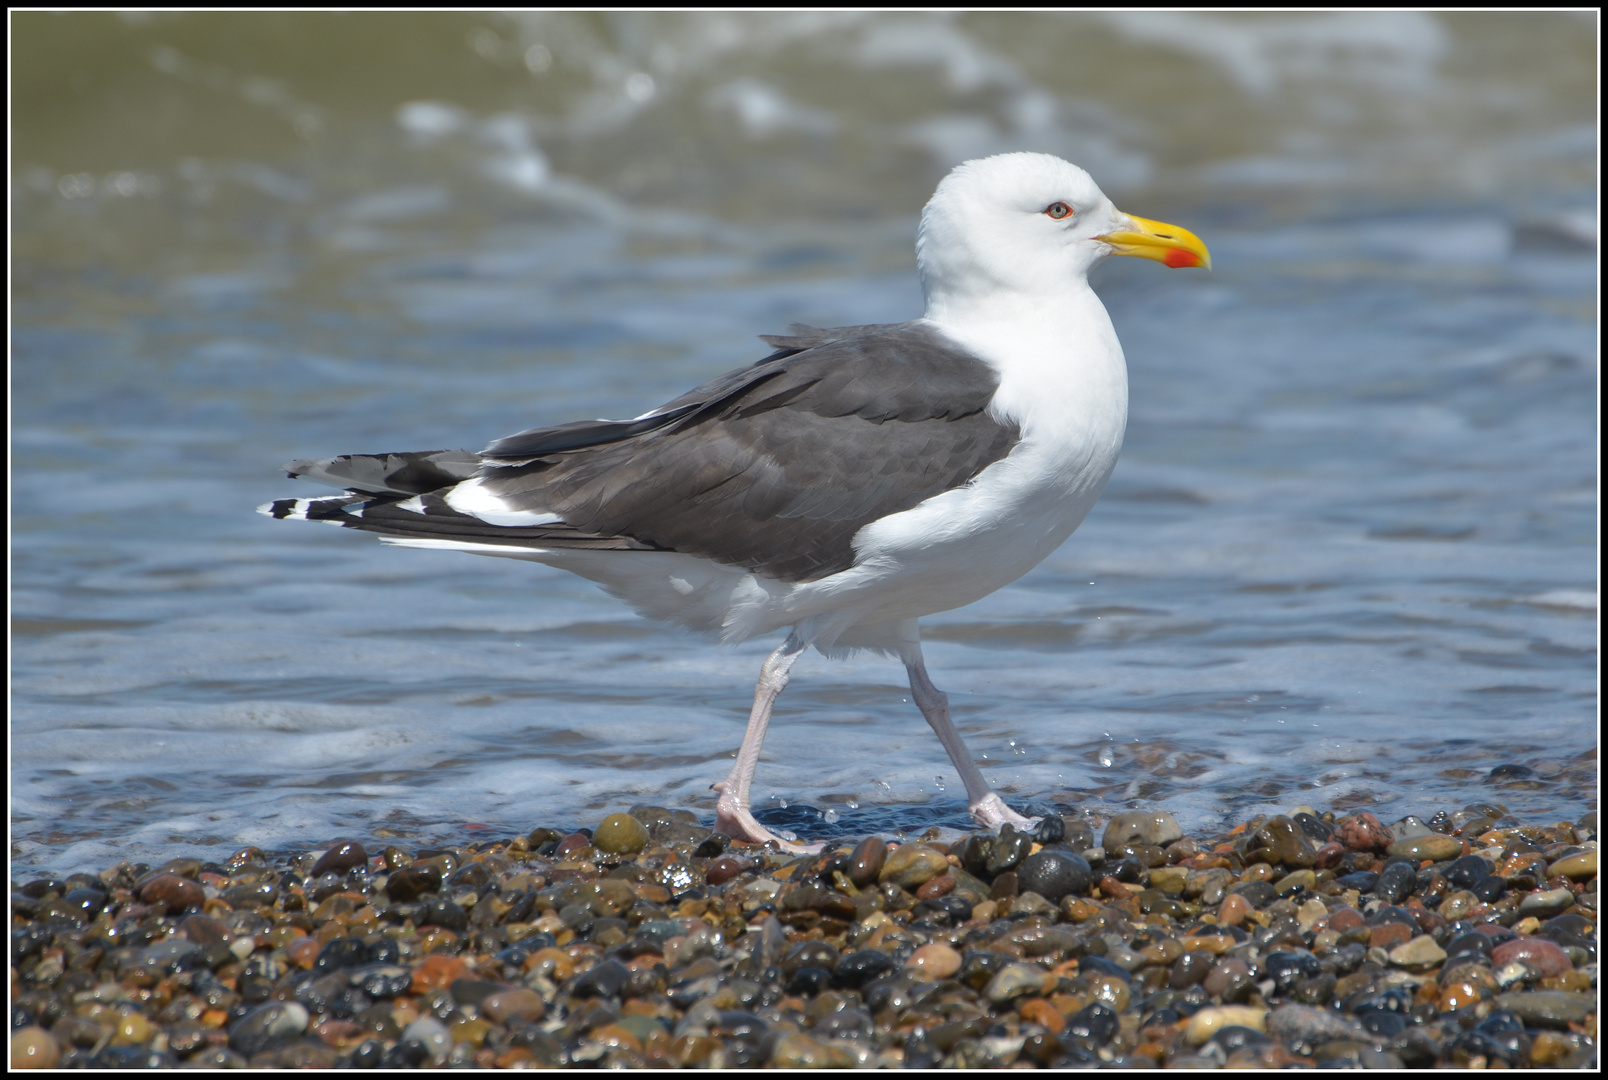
(756, 116)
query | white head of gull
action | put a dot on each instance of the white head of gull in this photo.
(853, 481)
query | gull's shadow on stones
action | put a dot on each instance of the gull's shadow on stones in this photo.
(809, 822)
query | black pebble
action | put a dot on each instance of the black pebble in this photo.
(605, 980)
(1100, 965)
(408, 1054)
(387, 982)
(1256, 893)
(1467, 872)
(1288, 968)
(1053, 874)
(1008, 849)
(368, 1054)
(347, 952)
(809, 981)
(1236, 1037)
(1051, 830)
(858, 968)
(409, 884)
(445, 914)
(1096, 1024)
(1396, 882)
(343, 855)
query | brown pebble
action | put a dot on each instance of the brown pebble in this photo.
(1457, 994)
(938, 886)
(33, 1047)
(1389, 935)
(725, 868)
(653, 894)
(341, 1034)
(933, 961)
(1541, 954)
(1344, 919)
(571, 844)
(1114, 889)
(1210, 941)
(303, 952)
(912, 865)
(1224, 974)
(172, 893)
(1363, 832)
(615, 1035)
(1329, 855)
(518, 1004)
(1235, 910)
(343, 855)
(408, 884)
(437, 972)
(1041, 1012)
(865, 861)
(692, 1051)
(203, 930)
(1550, 1048)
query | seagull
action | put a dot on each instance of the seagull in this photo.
(846, 485)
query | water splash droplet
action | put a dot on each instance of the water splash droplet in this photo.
(830, 817)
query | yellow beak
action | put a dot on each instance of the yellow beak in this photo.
(1157, 240)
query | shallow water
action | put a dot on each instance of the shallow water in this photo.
(1346, 560)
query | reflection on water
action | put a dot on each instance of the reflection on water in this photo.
(1346, 559)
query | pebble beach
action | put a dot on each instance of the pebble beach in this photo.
(1466, 940)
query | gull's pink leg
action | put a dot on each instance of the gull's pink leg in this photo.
(732, 816)
(987, 808)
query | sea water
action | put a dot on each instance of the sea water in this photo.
(1347, 559)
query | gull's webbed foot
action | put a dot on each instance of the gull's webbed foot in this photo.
(991, 812)
(733, 819)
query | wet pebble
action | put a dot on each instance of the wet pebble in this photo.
(1549, 1008)
(33, 1047)
(1575, 867)
(912, 865)
(933, 961)
(172, 893)
(1539, 953)
(1420, 953)
(1053, 874)
(1363, 832)
(1431, 846)
(866, 861)
(1209, 1021)
(1155, 827)
(620, 834)
(1545, 903)
(343, 855)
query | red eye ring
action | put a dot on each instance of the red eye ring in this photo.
(1058, 210)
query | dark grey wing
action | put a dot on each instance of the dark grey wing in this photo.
(775, 467)
(586, 433)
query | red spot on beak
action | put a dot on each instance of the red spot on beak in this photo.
(1178, 258)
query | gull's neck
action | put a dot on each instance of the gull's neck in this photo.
(1056, 351)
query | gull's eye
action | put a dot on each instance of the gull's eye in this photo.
(1058, 210)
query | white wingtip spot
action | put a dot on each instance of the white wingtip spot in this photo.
(471, 497)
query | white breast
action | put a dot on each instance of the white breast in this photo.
(1064, 384)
